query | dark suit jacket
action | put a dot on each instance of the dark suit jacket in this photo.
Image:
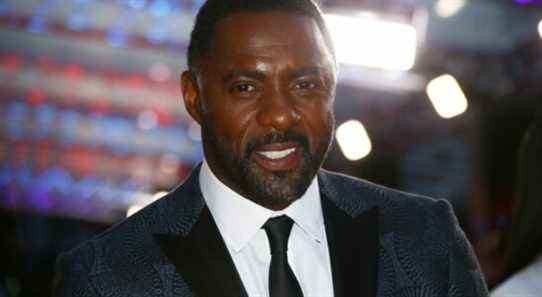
(382, 243)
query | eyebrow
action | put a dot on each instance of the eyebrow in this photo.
(259, 75)
(317, 71)
(243, 72)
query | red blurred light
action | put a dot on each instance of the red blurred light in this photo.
(164, 118)
(135, 81)
(11, 62)
(36, 97)
(74, 71)
(101, 106)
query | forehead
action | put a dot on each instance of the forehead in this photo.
(274, 36)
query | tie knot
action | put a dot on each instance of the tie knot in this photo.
(278, 231)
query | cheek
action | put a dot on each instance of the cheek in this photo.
(318, 121)
(231, 121)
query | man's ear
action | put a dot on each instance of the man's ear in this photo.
(190, 91)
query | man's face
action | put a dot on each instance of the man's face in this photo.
(264, 98)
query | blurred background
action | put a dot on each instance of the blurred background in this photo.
(433, 98)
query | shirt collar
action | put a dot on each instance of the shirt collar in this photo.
(239, 219)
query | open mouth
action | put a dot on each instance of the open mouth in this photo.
(278, 156)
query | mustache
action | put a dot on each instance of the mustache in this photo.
(274, 137)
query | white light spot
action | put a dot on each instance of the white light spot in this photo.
(353, 140)
(159, 195)
(377, 43)
(540, 29)
(133, 209)
(143, 200)
(446, 96)
(448, 8)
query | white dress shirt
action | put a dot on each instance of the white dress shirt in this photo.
(239, 221)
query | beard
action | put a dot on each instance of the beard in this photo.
(272, 190)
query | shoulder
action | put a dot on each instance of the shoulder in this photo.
(355, 195)
(415, 231)
(127, 248)
(175, 213)
(131, 238)
(407, 219)
(99, 252)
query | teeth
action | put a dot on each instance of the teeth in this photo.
(277, 154)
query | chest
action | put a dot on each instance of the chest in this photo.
(308, 258)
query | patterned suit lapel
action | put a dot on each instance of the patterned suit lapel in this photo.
(193, 244)
(353, 246)
(199, 254)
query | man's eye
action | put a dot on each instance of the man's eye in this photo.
(305, 85)
(243, 88)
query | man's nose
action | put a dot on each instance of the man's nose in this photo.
(279, 112)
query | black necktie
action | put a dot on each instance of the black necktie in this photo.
(282, 281)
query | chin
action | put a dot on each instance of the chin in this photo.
(276, 190)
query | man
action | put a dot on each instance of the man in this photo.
(259, 217)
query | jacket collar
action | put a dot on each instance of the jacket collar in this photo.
(353, 239)
(192, 242)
